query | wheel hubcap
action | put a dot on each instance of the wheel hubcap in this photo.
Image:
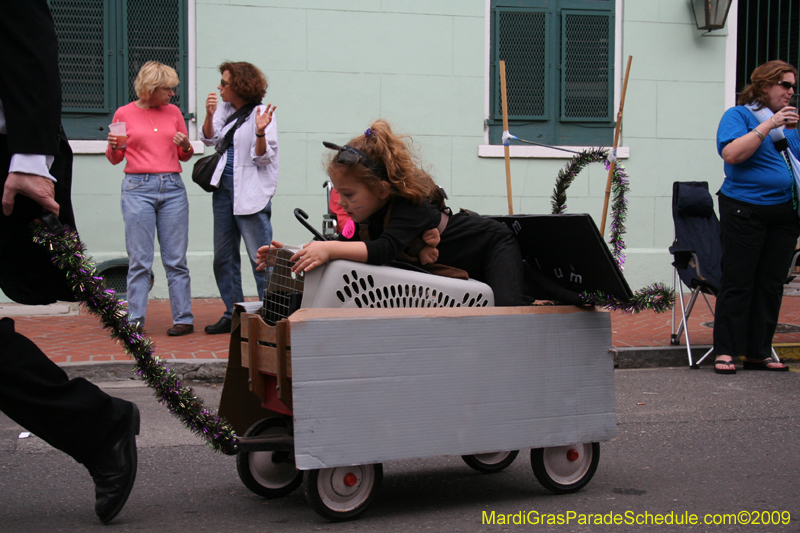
(346, 488)
(492, 458)
(273, 469)
(568, 464)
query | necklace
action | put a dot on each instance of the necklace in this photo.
(151, 122)
(143, 105)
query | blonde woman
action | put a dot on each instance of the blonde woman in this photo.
(153, 195)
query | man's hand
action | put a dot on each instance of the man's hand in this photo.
(38, 188)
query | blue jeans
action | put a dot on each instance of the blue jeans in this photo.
(229, 229)
(150, 202)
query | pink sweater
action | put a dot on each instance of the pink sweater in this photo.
(148, 151)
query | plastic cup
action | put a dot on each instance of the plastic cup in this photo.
(791, 125)
(117, 129)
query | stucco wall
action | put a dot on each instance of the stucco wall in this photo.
(334, 66)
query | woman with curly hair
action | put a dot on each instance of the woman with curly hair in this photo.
(246, 178)
(403, 217)
(758, 217)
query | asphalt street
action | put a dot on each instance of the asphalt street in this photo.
(690, 442)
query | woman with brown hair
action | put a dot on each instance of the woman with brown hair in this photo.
(401, 211)
(246, 178)
(758, 217)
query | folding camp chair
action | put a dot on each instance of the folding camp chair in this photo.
(696, 252)
(697, 255)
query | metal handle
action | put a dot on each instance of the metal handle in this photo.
(302, 217)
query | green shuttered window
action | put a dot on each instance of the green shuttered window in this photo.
(102, 45)
(559, 58)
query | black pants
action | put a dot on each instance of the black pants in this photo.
(757, 246)
(74, 416)
(488, 251)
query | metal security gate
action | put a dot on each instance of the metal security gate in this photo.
(768, 29)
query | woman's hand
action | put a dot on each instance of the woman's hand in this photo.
(263, 258)
(787, 115)
(313, 254)
(112, 142)
(211, 104)
(183, 141)
(263, 120)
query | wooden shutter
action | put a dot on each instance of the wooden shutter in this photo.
(102, 45)
(522, 38)
(587, 64)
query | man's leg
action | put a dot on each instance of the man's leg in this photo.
(74, 416)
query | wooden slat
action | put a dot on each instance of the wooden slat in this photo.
(266, 357)
(257, 384)
(284, 387)
(435, 312)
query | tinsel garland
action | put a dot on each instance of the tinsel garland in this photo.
(68, 254)
(656, 297)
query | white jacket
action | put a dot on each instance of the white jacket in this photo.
(255, 178)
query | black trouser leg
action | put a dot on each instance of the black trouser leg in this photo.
(757, 245)
(504, 272)
(74, 416)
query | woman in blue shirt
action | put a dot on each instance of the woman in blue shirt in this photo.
(758, 218)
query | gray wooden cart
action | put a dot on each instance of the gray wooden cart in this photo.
(411, 365)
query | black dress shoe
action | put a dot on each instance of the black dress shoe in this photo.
(114, 471)
(223, 325)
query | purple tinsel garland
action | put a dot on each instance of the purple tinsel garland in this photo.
(656, 297)
(68, 254)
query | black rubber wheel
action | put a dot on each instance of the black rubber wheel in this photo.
(342, 493)
(269, 474)
(565, 469)
(490, 463)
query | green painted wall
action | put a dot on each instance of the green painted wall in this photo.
(334, 66)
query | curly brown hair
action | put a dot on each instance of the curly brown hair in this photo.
(246, 80)
(396, 154)
(763, 77)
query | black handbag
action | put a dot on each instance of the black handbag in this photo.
(204, 167)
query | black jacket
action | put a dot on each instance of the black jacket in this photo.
(30, 90)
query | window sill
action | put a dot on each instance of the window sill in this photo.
(541, 152)
(99, 147)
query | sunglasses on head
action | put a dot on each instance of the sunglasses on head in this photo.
(353, 156)
(786, 85)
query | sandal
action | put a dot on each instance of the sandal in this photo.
(724, 370)
(764, 365)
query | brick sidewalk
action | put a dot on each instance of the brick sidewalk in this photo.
(79, 338)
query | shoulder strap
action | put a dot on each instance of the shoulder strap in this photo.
(241, 114)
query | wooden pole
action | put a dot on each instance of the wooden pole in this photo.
(506, 149)
(613, 165)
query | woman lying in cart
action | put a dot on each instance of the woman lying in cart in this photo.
(402, 216)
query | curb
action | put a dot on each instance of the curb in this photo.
(657, 356)
(211, 371)
(672, 356)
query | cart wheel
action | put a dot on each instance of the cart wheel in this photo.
(344, 492)
(269, 474)
(565, 469)
(489, 463)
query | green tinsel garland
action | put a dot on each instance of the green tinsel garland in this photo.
(656, 297)
(68, 254)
